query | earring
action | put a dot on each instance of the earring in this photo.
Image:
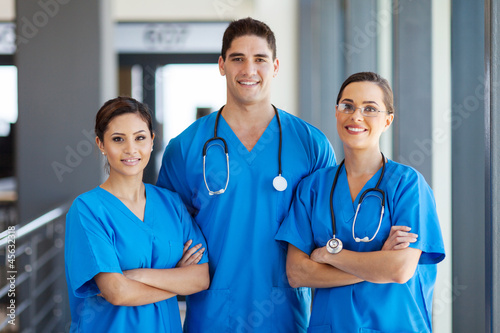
(103, 153)
(151, 148)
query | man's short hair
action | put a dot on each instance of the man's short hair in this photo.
(244, 27)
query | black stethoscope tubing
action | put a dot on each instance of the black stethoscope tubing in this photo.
(376, 188)
(279, 182)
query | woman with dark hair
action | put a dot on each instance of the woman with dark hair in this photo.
(348, 227)
(128, 244)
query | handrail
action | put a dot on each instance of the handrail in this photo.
(35, 224)
(41, 256)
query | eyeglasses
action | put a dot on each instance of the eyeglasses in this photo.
(367, 111)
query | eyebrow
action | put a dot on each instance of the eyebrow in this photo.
(116, 133)
(239, 54)
(364, 102)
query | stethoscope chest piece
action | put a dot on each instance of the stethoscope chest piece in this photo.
(279, 183)
(334, 245)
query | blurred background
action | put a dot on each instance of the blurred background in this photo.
(60, 60)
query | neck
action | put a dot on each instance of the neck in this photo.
(358, 163)
(128, 188)
(248, 115)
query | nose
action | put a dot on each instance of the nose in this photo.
(129, 147)
(249, 68)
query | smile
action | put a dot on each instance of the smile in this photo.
(355, 129)
(248, 83)
(131, 161)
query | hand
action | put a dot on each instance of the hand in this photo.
(399, 238)
(190, 256)
(319, 255)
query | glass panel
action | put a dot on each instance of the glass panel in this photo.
(185, 90)
(8, 96)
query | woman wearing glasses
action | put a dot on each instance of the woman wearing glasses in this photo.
(348, 227)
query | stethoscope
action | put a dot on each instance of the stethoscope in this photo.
(279, 182)
(334, 245)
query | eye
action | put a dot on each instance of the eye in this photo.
(117, 139)
(141, 137)
(237, 59)
(371, 109)
(260, 60)
(345, 107)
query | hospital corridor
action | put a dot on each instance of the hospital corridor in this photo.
(62, 60)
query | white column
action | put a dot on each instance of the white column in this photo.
(282, 18)
(441, 156)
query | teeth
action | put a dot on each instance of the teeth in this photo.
(248, 83)
(133, 160)
(355, 129)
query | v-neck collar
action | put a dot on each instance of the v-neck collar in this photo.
(348, 206)
(124, 209)
(268, 136)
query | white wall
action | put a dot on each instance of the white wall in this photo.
(181, 10)
(7, 12)
(282, 17)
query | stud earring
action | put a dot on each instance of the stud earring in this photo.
(103, 153)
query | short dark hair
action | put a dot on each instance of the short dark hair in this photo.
(118, 106)
(244, 27)
(375, 78)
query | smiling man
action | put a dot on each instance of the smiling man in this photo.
(236, 170)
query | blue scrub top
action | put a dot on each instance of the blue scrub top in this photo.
(365, 306)
(249, 290)
(103, 235)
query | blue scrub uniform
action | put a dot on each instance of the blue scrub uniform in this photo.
(365, 306)
(103, 235)
(249, 290)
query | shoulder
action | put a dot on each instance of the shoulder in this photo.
(86, 210)
(317, 180)
(403, 178)
(199, 131)
(199, 126)
(156, 192)
(321, 175)
(163, 197)
(310, 138)
(404, 173)
(86, 199)
(294, 123)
